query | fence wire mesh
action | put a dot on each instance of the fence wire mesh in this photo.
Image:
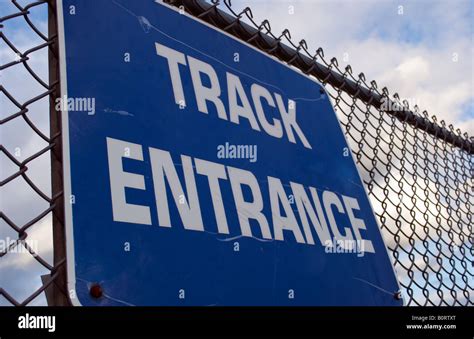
(29, 266)
(417, 170)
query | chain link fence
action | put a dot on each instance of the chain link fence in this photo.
(417, 170)
(31, 202)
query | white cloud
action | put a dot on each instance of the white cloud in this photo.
(416, 67)
(411, 54)
(425, 55)
(19, 271)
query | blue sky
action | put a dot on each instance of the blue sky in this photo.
(430, 30)
(411, 54)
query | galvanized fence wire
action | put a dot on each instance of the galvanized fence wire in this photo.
(418, 171)
(12, 110)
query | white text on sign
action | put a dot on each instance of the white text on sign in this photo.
(316, 210)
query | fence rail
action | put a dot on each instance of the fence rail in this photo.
(418, 171)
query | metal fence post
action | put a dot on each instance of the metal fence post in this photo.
(59, 293)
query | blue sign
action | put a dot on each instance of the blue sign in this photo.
(200, 171)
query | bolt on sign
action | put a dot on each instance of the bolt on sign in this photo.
(200, 171)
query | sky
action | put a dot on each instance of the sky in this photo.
(425, 53)
(422, 50)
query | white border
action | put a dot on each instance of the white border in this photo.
(69, 230)
(68, 227)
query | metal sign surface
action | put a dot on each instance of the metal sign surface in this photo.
(200, 171)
